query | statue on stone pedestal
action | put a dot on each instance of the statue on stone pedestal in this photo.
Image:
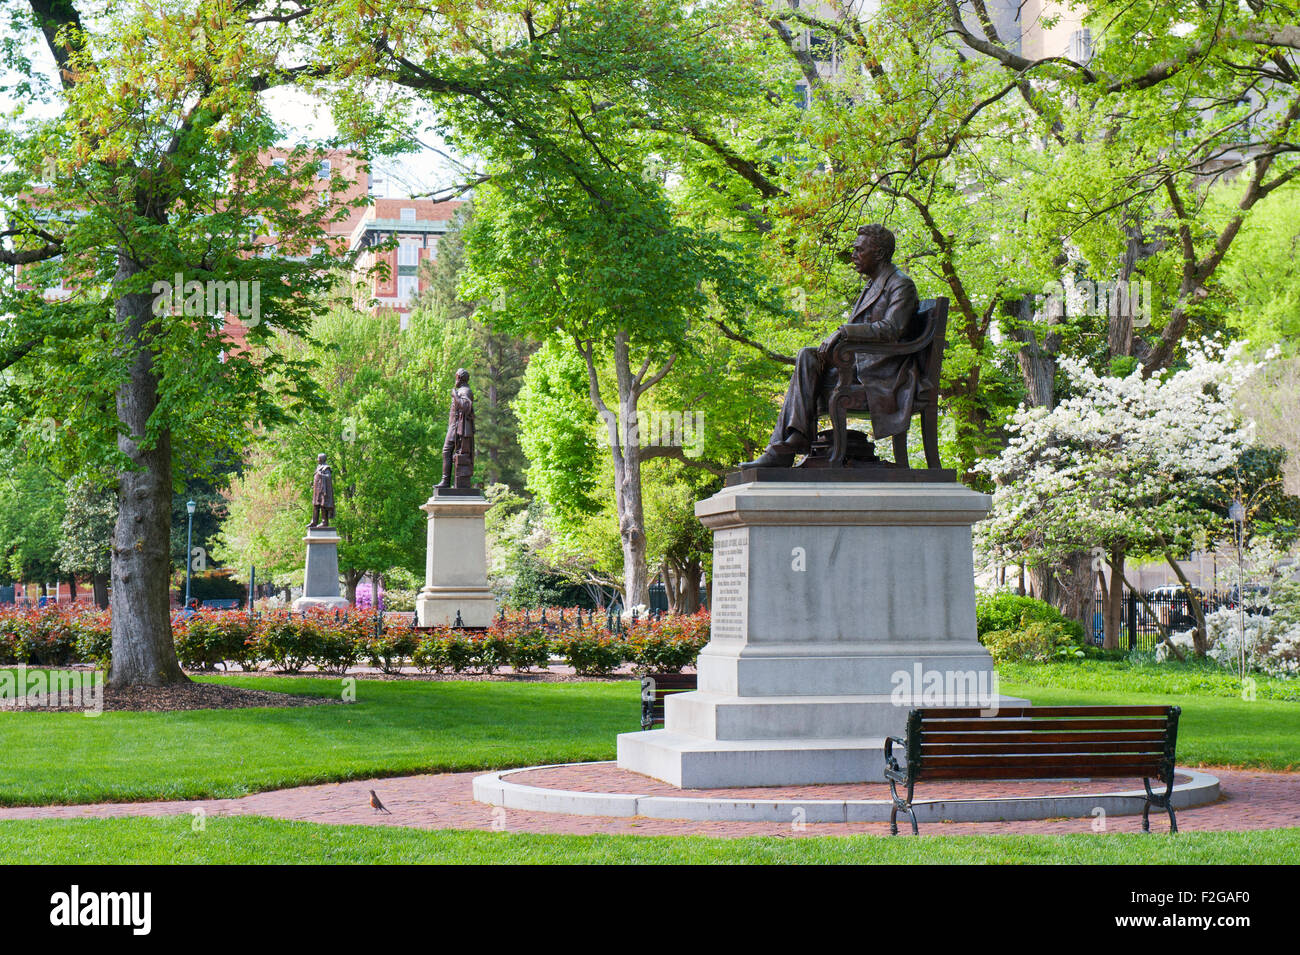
(883, 312)
(322, 494)
(458, 448)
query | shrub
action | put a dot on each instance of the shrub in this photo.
(198, 643)
(432, 653)
(389, 649)
(288, 641)
(95, 638)
(1007, 611)
(1033, 641)
(590, 651)
(668, 644)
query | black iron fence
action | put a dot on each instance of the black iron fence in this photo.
(1142, 617)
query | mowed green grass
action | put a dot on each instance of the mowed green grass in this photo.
(393, 728)
(405, 727)
(251, 840)
(1212, 730)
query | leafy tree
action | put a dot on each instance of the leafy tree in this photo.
(1124, 466)
(86, 534)
(381, 424)
(151, 170)
(31, 510)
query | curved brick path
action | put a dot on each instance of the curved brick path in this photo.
(1252, 800)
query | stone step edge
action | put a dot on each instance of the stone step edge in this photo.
(495, 789)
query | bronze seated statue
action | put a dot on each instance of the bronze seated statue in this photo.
(885, 361)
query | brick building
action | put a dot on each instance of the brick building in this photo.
(394, 273)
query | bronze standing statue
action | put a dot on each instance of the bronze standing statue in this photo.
(884, 312)
(458, 449)
(322, 494)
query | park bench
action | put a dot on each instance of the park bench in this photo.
(1036, 742)
(655, 687)
(231, 603)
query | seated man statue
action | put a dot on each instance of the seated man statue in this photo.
(884, 312)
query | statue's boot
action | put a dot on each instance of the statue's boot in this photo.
(446, 470)
(781, 454)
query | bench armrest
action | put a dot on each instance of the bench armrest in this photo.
(890, 761)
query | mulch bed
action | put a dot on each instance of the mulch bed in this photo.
(158, 699)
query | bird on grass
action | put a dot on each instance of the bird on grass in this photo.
(376, 805)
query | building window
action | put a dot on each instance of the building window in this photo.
(408, 215)
(408, 253)
(323, 169)
(407, 286)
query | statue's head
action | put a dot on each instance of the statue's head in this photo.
(320, 458)
(462, 377)
(873, 247)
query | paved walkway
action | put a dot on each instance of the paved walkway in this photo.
(1251, 800)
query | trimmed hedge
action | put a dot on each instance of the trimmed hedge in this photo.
(290, 642)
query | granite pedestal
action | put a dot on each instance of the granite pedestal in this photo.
(320, 587)
(837, 607)
(455, 569)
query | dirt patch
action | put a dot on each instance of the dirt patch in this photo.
(160, 699)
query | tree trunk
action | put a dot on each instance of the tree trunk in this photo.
(1114, 609)
(625, 452)
(689, 585)
(72, 588)
(143, 651)
(1200, 642)
(1075, 588)
(350, 580)
(100, 584)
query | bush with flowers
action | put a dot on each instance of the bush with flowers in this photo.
(290, 642)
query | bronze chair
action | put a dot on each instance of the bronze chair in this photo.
(931, 326)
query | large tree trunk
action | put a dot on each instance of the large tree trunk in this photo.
(1114, 604)
(350, 580)
(143, 651)
(631, 514)
(625, 451)
(100, 584)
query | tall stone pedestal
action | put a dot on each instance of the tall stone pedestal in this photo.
(320, 585)
(837, 607)
(455, 568)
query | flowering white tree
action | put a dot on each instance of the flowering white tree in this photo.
(1122, 467)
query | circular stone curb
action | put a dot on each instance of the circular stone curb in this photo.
(496, 789)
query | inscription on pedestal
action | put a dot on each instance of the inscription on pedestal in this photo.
(730, 583)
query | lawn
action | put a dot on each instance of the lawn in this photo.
(404, 727)
(251, 840)
(393, 728)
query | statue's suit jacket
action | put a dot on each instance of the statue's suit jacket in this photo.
(886, 312)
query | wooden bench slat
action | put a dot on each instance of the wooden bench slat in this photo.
(1135, 771)
(928, 713)
(1049, 761)
(1155, 747)
(1012, 738)
(951, 726)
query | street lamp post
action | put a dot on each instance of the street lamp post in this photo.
(189, 549)
(1238, 515)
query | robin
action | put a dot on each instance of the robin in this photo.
(376, 805)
